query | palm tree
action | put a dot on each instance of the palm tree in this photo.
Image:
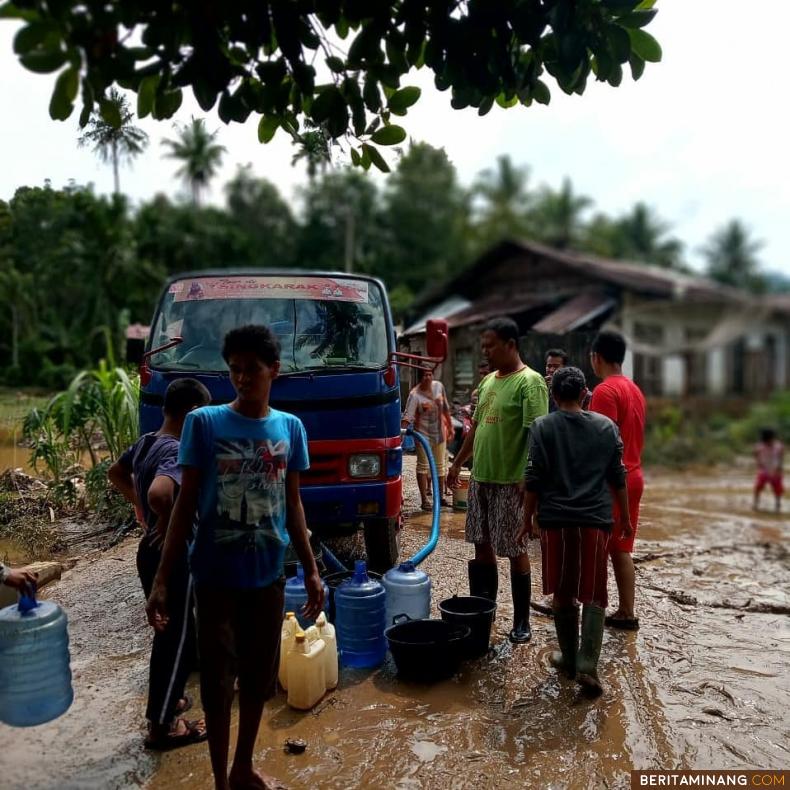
(642, 236)
(557, 216)
(504, 191)
(115, 144)
(732, 256)
(200, 155)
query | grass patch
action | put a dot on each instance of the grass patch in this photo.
(16, 403)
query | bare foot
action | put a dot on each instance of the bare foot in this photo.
(254, 780)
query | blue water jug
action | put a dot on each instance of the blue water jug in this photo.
(296, 596)
(408, 592)
(35, 676)
(407, 443)
(360, 605)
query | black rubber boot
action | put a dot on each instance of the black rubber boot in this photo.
(483, 579)
(521, 589)
(566, 623)
(590, 650)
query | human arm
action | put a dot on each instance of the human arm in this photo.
(21, 580)
(621, 497)
(178, 531)
(161, 496)
(297, 530)
(410, 411)
(461, 456)
(534, 476)
(535, 402)
(604, 402)
(120, 477)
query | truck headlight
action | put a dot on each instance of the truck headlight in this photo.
(364, 465)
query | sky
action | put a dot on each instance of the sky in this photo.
(702, 137)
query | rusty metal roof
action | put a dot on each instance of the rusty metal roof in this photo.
(575, 313)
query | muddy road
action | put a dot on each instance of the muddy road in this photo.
(704, 684)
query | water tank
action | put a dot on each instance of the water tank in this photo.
(35, 676)
(360, 619)
(408, 592)
(296, 596)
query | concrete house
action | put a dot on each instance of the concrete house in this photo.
(688, 337)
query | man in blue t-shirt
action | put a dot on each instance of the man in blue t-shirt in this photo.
(148, 476)
(240, 472)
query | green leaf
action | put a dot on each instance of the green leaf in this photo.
(541, 93)
(620, 42)
(371, 94)
(36, 34)
(146, 95)
(645, 46)
(166, 104)
(110, 112)
(43, 62)
(504, 102)
(267, 127)
(325, 102)
(646, 5)
(375, 157)
(356, 159)
(637, 66)
(402, 99)
(620, 5)
(205, 94)
(11, 11)
(615, 75)
(336, 64)
(637, 18)
(364, 159)
(62, 102)
(389, 135)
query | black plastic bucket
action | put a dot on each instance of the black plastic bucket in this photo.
(426, 650)
(475, 612)
(334, 580)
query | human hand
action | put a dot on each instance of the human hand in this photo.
(626, 530)
(452, 477)
(315, 596)
(24, 581)
(156, 607)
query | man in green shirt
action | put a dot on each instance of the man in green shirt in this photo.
(509, 400)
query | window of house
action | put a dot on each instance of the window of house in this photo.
(696, 362)
(649, 359)
(463, 372)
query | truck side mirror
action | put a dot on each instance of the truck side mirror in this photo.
(436, 332)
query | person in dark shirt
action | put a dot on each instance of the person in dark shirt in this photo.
(575, 460)
(148, 475)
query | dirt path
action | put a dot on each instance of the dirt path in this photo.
(703, 684)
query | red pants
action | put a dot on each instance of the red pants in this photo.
(766, 478)
(635, 484)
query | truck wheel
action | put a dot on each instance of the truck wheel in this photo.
(381, 544)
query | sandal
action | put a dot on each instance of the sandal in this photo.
(184, 704)
(623, 623)
(195, 733)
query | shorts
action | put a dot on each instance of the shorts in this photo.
(238, 635)
(574, 562)
(766, 478)
(439, 456)
(495, 515)
(635, 483)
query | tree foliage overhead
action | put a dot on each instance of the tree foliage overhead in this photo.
(337, 65)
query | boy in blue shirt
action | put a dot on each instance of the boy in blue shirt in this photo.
(241, 465)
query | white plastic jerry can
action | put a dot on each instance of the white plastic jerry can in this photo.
(327, 632)
(287, 634)
(306, 675)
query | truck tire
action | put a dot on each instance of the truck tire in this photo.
(382, 538)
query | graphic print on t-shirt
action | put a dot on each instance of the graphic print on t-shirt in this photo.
(250, 492)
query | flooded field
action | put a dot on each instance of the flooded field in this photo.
(703, 684)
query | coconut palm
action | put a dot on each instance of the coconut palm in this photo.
(557, 216)
(114, 144)
(199, 154)
(505, 200)
(731, 254)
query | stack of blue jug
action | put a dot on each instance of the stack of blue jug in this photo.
(296, 596)
(35, 677)
(408, 592)
(361, 619)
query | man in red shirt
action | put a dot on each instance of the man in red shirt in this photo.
(618, 398)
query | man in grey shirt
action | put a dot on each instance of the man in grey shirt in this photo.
(575, 461)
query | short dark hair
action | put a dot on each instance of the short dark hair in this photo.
(767, 434)
(556, 352)
(253, 338)
(183, 395)
(610, 345)
(567, 384)
(504, 328)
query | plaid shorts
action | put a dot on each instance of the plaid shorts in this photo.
(495, 515)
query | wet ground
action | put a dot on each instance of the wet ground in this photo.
(704, 683)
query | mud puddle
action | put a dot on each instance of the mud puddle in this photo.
(703, 684)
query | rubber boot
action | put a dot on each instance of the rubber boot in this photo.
(566, 623)
(483, 579)
(521, 589)
(590, 650)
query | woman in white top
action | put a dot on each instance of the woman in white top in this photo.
(426, 409)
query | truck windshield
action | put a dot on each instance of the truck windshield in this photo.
(321, 322)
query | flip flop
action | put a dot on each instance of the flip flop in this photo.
(170, 741)
(623, 623)
(187, 700)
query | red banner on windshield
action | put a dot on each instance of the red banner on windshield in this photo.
(256, 287)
